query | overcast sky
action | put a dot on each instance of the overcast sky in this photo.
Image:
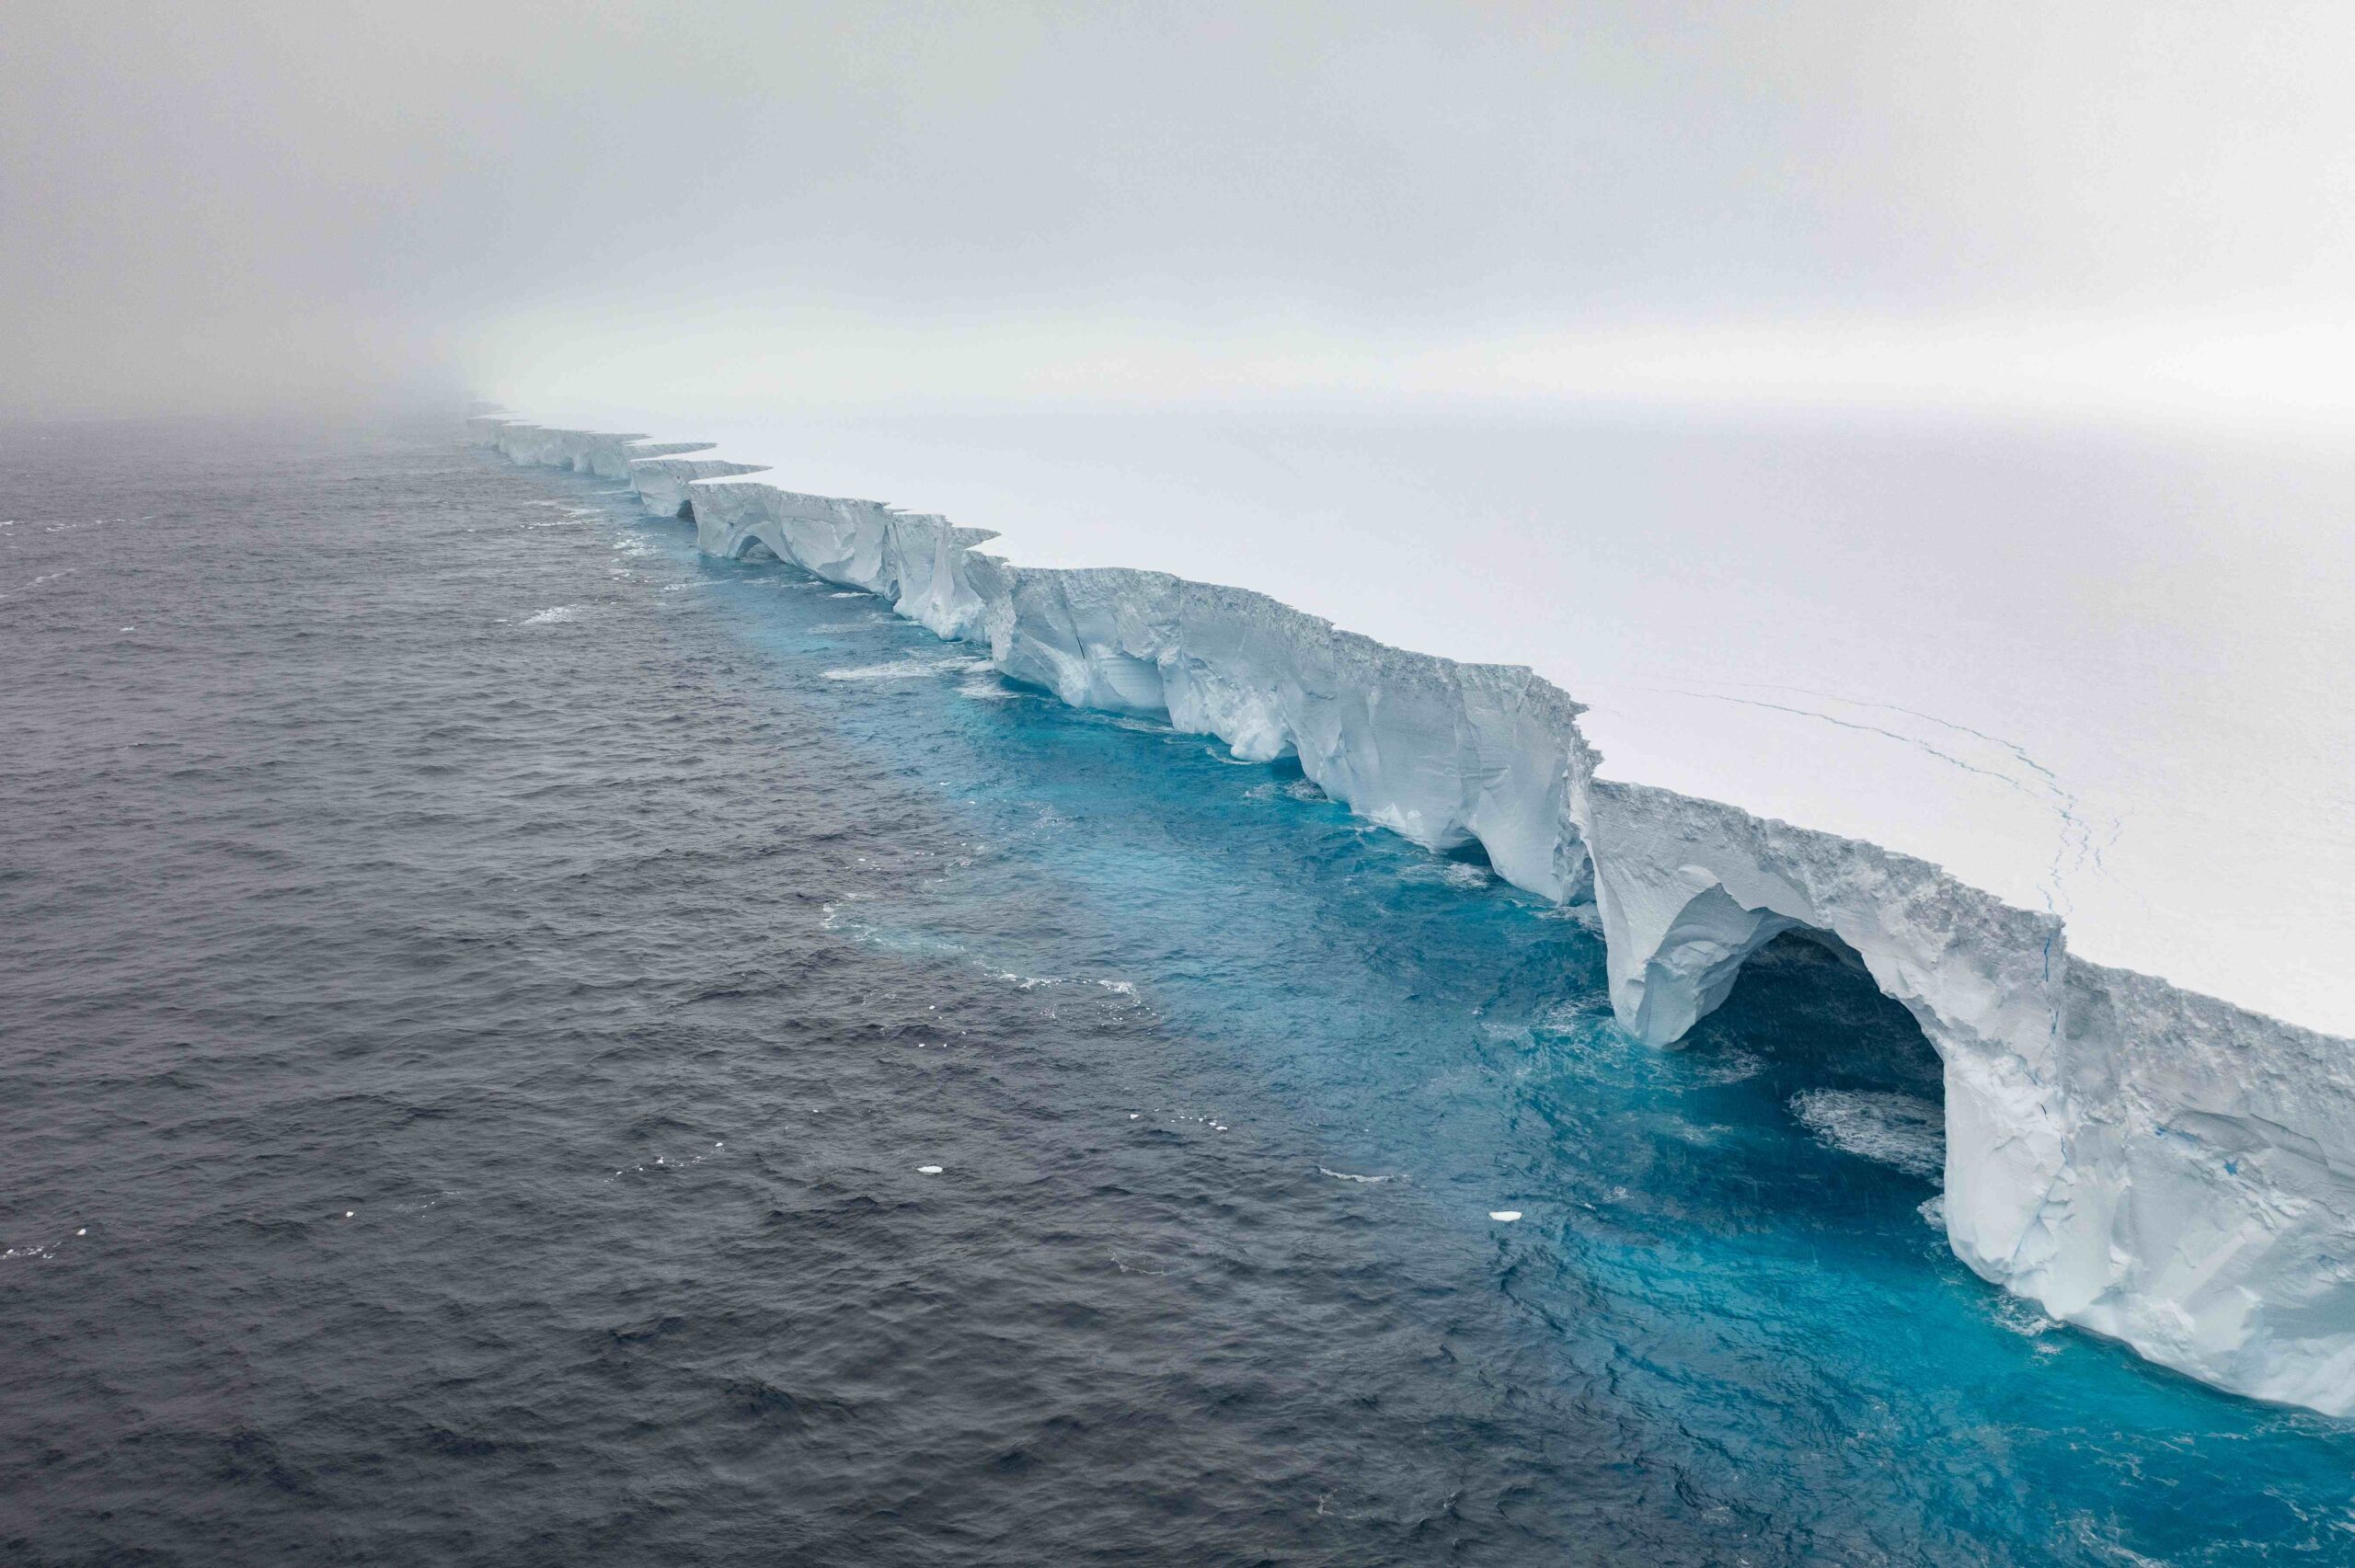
(210, 203)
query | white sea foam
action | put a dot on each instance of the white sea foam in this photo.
(1900, 1130)
(2016, 1316)
(555, 615)
(885, 938)
(905, 669)
(1034, 982)
(1353, 1176)
(1733, 1067)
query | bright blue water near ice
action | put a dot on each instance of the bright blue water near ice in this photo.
(483, 984)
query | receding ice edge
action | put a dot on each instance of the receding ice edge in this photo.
(2153, 1165)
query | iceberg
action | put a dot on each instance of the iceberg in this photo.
(2153, 1165)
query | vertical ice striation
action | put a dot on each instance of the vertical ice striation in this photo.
(2146, 1162)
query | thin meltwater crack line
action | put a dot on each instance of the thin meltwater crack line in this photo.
(2088, 848)
(2073, 834)
(2057, 902)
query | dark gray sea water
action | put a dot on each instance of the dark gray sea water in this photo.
(483, 988)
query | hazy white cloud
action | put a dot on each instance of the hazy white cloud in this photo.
(2108, 201)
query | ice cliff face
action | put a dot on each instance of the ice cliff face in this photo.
(2154, 1165)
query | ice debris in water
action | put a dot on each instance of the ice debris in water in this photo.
(928, 1170)
(1504, 1216)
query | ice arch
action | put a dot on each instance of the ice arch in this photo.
(2144, 1161)
(1688, 890)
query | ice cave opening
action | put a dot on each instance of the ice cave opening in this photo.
(1852, 1068)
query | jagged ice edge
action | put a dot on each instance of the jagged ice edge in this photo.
(2154, 1165)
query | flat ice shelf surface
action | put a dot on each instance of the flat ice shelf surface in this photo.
(2108, 672)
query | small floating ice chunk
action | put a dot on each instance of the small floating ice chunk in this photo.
(928, 1170)
(347, 1214)
(1504, 1216)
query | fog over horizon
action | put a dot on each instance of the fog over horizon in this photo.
(2108, 206)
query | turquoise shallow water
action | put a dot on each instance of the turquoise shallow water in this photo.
(614, 936)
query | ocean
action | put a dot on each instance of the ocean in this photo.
(521, 1044)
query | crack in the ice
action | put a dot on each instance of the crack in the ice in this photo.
(2065, 799)
(2076, 846)
(2075, 834)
